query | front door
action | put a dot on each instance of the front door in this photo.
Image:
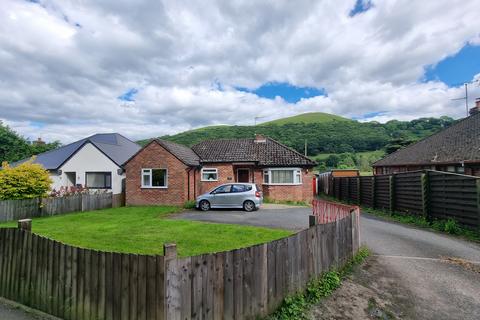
(243, 175)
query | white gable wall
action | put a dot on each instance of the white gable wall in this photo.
(87, 159)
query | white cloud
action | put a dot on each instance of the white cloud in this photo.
(64, 63)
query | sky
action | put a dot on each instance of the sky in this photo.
(69, 69)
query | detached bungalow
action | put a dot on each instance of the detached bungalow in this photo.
(164, 172)
(94, 162)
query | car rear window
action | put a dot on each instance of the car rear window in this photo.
(239, 188)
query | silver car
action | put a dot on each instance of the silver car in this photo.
(231, 195)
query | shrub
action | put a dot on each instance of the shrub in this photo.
(189, 204)
(25, 181)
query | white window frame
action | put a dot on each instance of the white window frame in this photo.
(297, 172)
(148, 171)
(211, 169)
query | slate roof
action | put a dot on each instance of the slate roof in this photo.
(113, 145)
(457, 143)
(183, 153)
(268, 153)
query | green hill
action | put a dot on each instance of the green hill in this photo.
(324, 133)
(309, 117)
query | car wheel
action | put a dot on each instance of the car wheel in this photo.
(204, 205)
(249, 206)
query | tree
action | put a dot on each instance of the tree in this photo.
(25, 181)
(12, 146)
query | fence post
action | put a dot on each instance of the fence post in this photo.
(359, 193)
(391, 182)
(478, 204)
(312, 220)
(425, 194)
(25, 225)
(349, 197)
(172, 286)
(373, 192)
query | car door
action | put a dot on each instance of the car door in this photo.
(238, 194)
(221, 196)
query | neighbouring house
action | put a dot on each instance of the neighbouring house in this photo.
(454, 149)
(164, 172)
(94, 162)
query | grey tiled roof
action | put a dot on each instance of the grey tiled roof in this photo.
(268, 153)
(113, 145)
(457, 143)
(183, 153)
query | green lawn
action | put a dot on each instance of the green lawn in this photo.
(144, 230)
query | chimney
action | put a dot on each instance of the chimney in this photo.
(260, 138)
(39, 142)
(475, 109)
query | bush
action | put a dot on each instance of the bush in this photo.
(25, 181)
(189, 204)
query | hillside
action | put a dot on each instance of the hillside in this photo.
(328, 134)
(309, 117)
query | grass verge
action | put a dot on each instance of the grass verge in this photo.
(144, 230)
(296, 306)
(449, 226)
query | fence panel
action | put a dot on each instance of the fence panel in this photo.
(11, 210)
(454, 197)
(382, 192)
(408, 192)
(353, 188)
(434, 194)
(344, 191)
(366, 191)
(60, 205)
(18, 209)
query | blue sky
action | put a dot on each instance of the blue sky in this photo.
(457, 69)
(288, 92)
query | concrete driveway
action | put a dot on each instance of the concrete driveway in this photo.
(269, 215)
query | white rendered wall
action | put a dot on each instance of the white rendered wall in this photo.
(88, 159)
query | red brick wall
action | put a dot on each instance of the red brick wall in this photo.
(226, 174)
(155, 156)
(303, 192)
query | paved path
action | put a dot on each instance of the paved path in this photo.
(416, 260)
(8, 312)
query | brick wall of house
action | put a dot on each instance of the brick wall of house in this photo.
(226, 174)
(303, 192)
(155, 156)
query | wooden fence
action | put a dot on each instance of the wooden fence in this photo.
(11, 210)
(432, 194)
(247, 283)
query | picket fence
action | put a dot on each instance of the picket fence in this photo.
(11, 210)
(247, 283)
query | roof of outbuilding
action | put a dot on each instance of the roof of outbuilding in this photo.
(113, 145)
(457, 143)
(267, 153)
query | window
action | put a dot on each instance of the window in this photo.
(98, 180)
(154, 178)
(223, 189)
(283, 176)
(209, 174)
(241, 188)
